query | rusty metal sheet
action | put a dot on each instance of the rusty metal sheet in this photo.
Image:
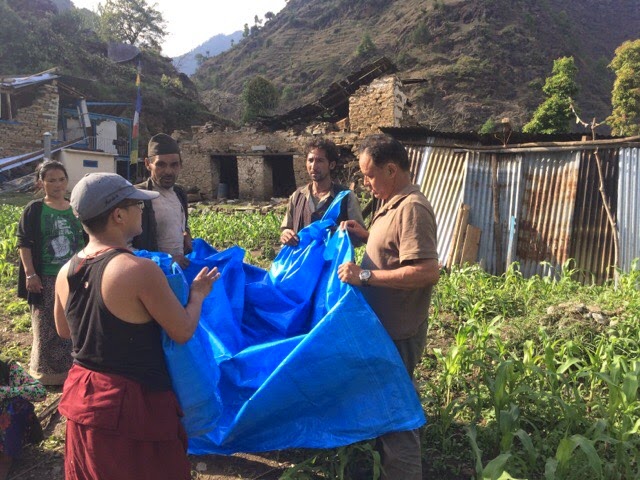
(592, 244)
(546, 217)
(629, 206)
(478, 194)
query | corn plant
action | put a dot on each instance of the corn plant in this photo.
(9, 216)
(343, 463)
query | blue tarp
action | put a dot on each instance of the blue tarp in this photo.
(288, 358)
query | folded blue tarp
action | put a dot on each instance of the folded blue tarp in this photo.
(288, 358)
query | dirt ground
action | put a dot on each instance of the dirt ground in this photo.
(45, 461)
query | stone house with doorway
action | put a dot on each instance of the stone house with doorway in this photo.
(262, 163)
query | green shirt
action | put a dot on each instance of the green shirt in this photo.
(61, 238)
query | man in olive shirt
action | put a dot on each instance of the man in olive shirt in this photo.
(310, 202)
(398, 272)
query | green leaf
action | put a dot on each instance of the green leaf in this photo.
(630, 387)
(564, 451)
(592, 456)
(495, 468)
(568, 363)
(550, 467)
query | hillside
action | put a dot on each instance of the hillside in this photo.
(37, 36)
(468, 60)
(188, 62)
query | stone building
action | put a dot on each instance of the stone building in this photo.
(259, 164)
(48, 105)
(29, 107)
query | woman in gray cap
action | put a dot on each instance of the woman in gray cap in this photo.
(122, 415)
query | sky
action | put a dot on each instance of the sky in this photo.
(192, 22)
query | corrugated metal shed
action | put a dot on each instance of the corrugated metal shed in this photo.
(592, 243)
(550, 208)
(629, 206)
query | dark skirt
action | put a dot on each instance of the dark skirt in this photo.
(50, 355)
(116, 429)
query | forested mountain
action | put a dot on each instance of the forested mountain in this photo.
(464, 61)
(469, 60)
(36, 36)
(188, 63)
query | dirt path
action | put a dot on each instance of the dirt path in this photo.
(46, 461)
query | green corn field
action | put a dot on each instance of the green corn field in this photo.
(525, 378)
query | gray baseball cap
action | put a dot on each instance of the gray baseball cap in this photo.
(96, 193)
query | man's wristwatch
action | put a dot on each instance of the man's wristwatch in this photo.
(364, 276)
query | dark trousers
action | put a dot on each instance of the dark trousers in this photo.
(400, 453)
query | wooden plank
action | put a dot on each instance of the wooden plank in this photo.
(464, 212)
(454, 237)
(471, 245)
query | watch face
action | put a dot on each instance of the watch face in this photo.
(365, 275)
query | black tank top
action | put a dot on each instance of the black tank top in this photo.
(101, 341)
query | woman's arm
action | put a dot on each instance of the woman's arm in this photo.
(34, 284)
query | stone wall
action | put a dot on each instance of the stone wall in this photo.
(250, 148)
(24, 134)
(255, 178)
(196, 168)
(379, 104)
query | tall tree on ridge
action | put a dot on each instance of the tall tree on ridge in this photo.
(132, 21)
(554, 114)
(625, 96)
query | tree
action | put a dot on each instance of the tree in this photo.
(132, 21)
(245, 30)
(366, 46)
(625, 96)
(488, 127)
(554, 114)
(259, 97)
(269, 16)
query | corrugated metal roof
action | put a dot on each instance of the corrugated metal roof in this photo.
(629, 206)
(8, 163)
(19, 82)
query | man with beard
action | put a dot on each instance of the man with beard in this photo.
(165, 218)
(309, 203)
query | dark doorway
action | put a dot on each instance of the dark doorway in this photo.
(227, 168)
(284, 180)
